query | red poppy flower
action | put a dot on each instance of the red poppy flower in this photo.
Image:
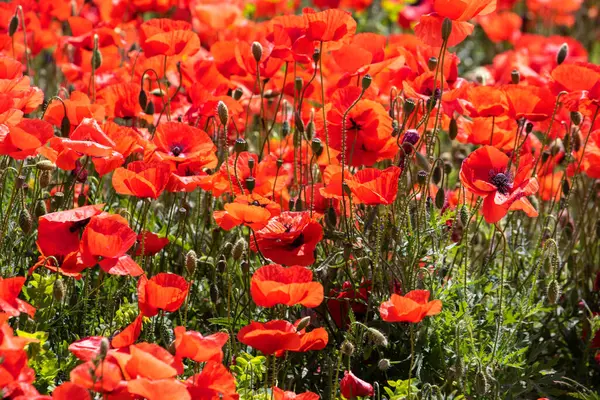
(150, 243)
(502, 26)
(10, 288)
(334, 27)
(102, 377)
(581, 81)
(87, 348)
(148, 360)
(159, 389)
(190, 175)
(373, 186)
(178, 142)
(280, 394)
(429, 28)
(106, 240)
(25, 138)
(274, 284)
(129, 335)
(530, 102)
(121, 100)
(167, 37)
(78, 105)
(252, 210)
(214, 382)
(199, 348)
(316, 339)
(163, 291)
(58, 232)
(69, 390)
(353, 387)
(487, 101)
(486, 173)
(141, 179)
(270, 337)
(412, 307)
(368, 133)
(289, 239)
(340, 301)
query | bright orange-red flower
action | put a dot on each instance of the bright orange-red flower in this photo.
(251, 210)
(163, 291)
(412, 307)
(158, 389)
(333, 27)
(141, 179)
(214, 382)
(270, 337)
(177, 142)
(274, 284)
(530, 102)
(10, 288)
(192, 345)
(488, 172)
(129, 335)
(280, 394)
(167, 37)
(150, 243)
(289, 239)
(78, 106)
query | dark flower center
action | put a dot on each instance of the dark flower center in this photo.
(255, 203)
(299, 241)
(176, 150)
(354, 125)
(502, 181)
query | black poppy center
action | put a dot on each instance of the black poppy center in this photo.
(354, 125)
(502, 182)
(176, 150)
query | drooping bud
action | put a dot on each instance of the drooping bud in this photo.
(223, 113)
(316, 55)
(221, 264)
(257, 51)
(317, 146)
(310, 129)
(437, 174)
(553, 291)
(191, 260)
(143, 99)
(515, 76)
(453, 129)
(238, 249)
(58, 289)
(432, 63)
(378, 338)
(45, 165)
(65, 127)
(562, 53)
(149, 108)
(240, 145)
(440, 199)
(576, 118)
(13, 25)
(303, 323)
(366, 81)
(25, 221)
(446, 29)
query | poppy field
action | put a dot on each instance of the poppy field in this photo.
(299, 199)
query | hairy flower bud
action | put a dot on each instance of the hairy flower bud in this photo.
(191, 260)
(257, 51)
(25, 221)
(446, 29)
(347, 348)
(553, 291)
(58, 289)
(378, 338)
(238, 249)
(562, 53)
(223, 113)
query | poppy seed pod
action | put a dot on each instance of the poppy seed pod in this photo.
(279, 163)
(257, 51)
(366, 81)
(298, 84)
(421, 177)
(432, 63)
(562, 53)
(240, 145)
(515, 77)
(446, 29)
(316, 55)
(251, 164)
(529, 127)
(408, 107)
(250, 183)
(223, 113)
(13, 25)
(237, 94)
(576, 117)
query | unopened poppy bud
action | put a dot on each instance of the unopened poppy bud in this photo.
(221, 264)
(227, 248)
(104, 346)
(40, 209)
(316, 146)
(251, 164)
(13, 25)
(96, 59)
(238, 249)
(298, 84)
(298, 206)
(285, 129)
(576, 118)
(250, 183)
(257, 51)
(565, 187)
(562, 53)
(446, 29)
(65, 127)
(245, 266)
(347, 348)
(298, 122)
(45, 165)
(149, 110)
(316, 55)
(464, 215)
(453, 129)
(57, 200)
(45, 178)
(576, 141)
(384, 364)
(58, 289)
(240, 145)
(214, 293)
(395, 128)
(378, 338)
(366, 81)
(437, 174)
(223, 113)
(481, 383)
(191, 260)
(515, 77)
(20, 181)
(237, 94)
(553, 291)
(567, 142)
(25, 221)
(432, 63)
(303, 323)
(346, 189)
(143, 99)
(408, 107)
(421, 177)
(331, 217)
(440, 199)
(529, 127)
